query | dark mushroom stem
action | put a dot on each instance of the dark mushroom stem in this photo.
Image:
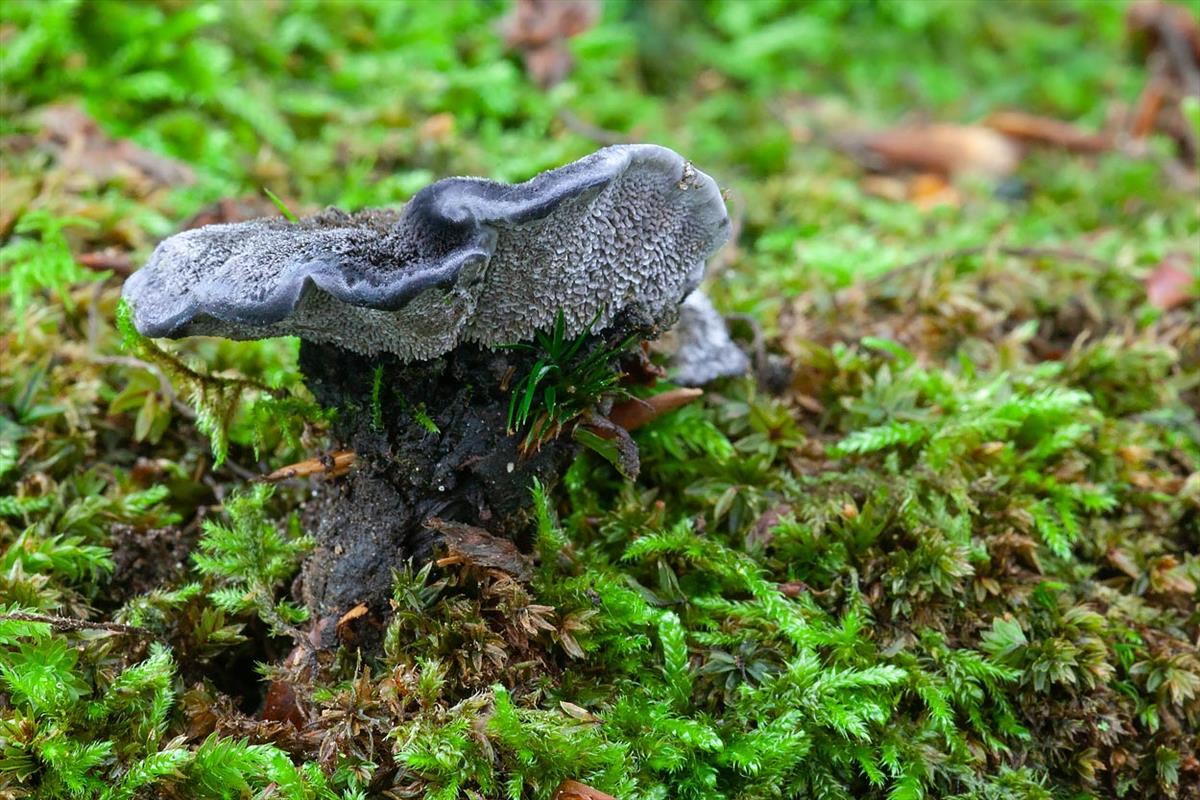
(432, 444)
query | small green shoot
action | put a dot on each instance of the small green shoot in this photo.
(376, 403)
(288, 214)
(561, 384)
(419, 414)
(424, 420)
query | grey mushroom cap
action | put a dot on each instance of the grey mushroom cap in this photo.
(626, 229)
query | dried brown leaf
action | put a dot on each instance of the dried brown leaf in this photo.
(1172, 283)
(467, 544)
(539, 29)
(281, 705)
(574, 790)
(81, 146)
(941, 148)
(635, 412)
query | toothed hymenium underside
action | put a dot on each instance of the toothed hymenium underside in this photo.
(626, 229)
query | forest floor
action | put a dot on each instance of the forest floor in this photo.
(944, 542)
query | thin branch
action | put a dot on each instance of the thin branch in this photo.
(237, 469)
(588, 130)
(331, 465)
(75, 625)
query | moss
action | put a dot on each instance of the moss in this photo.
(948, 549)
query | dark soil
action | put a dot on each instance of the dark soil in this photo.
(146, 559)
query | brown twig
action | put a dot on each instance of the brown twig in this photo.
(331, 465)
(237, 469)
(75, 625)
(1049, 131)
(1149, 103)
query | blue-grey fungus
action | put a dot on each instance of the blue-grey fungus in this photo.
(700, 348)
(626, 229)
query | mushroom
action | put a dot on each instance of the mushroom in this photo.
(627, 228)
(421, 302)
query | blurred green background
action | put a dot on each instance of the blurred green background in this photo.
(362, 103)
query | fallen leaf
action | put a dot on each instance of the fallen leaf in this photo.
(761, 533)
(941, 148)
(793, 589)
(1124, 562)
(438, 127)
(468, 544)
(1172, 283)
(578, 712)
(574, 790)
(281, 705)
(925, 190)
(928, 190)
(889, 187)
(80, 146)
(108, 259)
(539, 29)
(1134, 455)
(635, 412)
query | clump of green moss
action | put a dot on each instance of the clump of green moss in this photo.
(946, 548)
(942, 567)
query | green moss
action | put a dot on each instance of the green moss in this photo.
(955, 556)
